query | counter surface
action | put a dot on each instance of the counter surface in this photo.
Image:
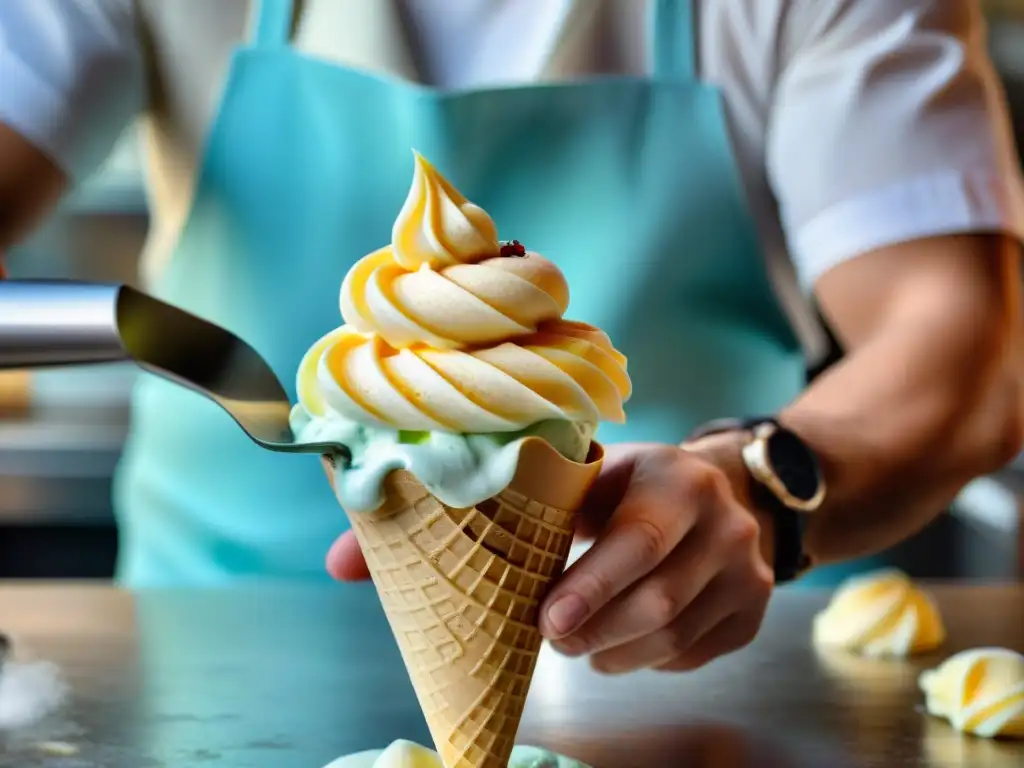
(292, 677)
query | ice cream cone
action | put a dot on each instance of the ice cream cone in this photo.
(462, 588)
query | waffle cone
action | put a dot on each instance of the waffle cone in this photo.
(461, 589)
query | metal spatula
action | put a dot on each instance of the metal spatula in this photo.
(46, 323)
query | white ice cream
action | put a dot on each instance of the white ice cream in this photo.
(406, 754)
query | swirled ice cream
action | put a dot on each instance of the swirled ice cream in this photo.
(405, 754)
(880, 614)
(980, 691)
(453, 350)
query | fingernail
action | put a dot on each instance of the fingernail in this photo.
(569, 647)
(607, 668)
(566, 614)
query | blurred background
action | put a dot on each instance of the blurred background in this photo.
(61, 432)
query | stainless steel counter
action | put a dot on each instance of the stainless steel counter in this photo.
(291, 678)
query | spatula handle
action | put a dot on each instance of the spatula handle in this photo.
(58, 322)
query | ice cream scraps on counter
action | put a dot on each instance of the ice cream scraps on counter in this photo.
(29, 690)
(979, 691)
(880, 614)
(57, 748)
(406, 754)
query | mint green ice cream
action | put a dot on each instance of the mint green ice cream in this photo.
(460, 470)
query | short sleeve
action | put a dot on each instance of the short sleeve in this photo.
(71, 76)
(888, 124)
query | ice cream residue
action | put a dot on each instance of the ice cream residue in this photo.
(453, 348)
(406, 754)
(880, 614)
(980, 691)
(29, 691)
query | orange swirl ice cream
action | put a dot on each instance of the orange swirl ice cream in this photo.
(450, 332)
(979, 691)
(882, 613)
(442, 332)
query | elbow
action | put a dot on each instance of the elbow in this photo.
(988, 424)
(1008, 436)
(991, 423)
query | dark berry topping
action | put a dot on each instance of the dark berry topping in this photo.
(513, 248)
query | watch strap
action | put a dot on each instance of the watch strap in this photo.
(718, 426)
(791, 561)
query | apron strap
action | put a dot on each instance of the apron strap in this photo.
(672, 39)
(273, 23)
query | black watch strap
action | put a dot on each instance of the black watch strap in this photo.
(717, 426)
(791, 561)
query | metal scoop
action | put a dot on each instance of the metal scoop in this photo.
(47, 323)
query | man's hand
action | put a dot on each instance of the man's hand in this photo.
(675, 578)
(676, 575)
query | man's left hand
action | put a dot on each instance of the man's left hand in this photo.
(675, 578)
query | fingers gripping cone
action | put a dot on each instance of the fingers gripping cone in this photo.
(462, 587)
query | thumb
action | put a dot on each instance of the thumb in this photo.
(345, 561)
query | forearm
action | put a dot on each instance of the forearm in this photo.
(927, 398)
(900, 428)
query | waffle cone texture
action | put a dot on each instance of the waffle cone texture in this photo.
(462, 588)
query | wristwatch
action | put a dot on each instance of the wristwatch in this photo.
(786, 483)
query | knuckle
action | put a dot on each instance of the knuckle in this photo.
(594, 587)
(664, 455)
(742, 530)
(652, 542)
(704, 484)
(660, 605)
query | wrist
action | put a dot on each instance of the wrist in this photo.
(725, 451)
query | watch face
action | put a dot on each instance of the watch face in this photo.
(794, 464)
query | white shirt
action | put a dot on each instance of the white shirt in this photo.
(856, 123)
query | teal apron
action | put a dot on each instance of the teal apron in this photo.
(628, 184)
